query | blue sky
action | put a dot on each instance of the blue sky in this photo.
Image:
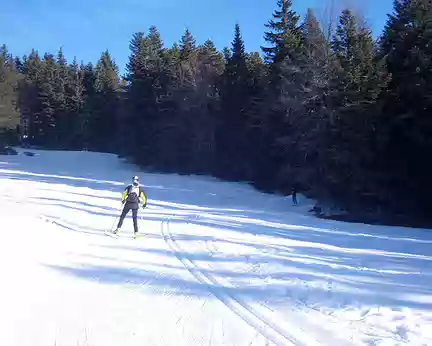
(85, 28)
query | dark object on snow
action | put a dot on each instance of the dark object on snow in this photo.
(28, 153)
(294, 195)
(6, 150)
(317, 211)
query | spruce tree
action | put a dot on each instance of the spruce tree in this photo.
(62, 76)
(47, 95)
(315, 45)
(396, 25)
(89, 106)
(209, 57)
(75, 100)
(9, 78)
(282, 97)
(348, 114)
(256, 65)
(345, 41)
(227, 54)
(235, 103)
(103, 122)
(178, 123)
(404, 135)
(155, 40)
(18, 64)
(203, 108)
(358, 76)
(173, 56)
(187, 46)
(188, 62)
(293, 117)
(28, 100)
(257, 152)
(284, 33)
(133, 66)
(148, 77)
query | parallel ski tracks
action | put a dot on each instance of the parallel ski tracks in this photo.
(243, 309)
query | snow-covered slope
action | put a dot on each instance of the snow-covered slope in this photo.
(221, 264)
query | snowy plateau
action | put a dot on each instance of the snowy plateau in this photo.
(219, 263)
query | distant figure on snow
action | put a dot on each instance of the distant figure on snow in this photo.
(132, 197)
(294, 195)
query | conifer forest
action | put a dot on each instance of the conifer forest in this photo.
(331, 110)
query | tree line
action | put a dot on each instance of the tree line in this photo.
(343, 116)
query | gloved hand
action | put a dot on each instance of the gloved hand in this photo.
(144, 205)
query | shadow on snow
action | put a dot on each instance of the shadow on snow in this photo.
(294, 256)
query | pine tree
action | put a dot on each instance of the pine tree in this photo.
(257, 151)
(397, 23)
(210, 58)
(405, 125)
(133, 66)
(204, 108)
(103, 122)
(235, 103)
(237, 75)
(61, 80)
(155, 40)
(148, 78)
(238, 57)
(75, 99)
(345, 41)
(188, 62)
(227, 54)
(187, 46)
(47, 95)
(315, 45)
(19, 64)
(283, 34)
(89, 106)
(28, 100)
(173, 56)
(9, 78)
(180, 102)
(256, 65)
(283, 95)
(291, 128)
(53, 93)
(358, 76)
(348, 109)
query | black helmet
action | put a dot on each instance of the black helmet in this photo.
(135, 180)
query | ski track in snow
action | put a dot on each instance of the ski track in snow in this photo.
(219, 264)
(242, 309)
(259, 317)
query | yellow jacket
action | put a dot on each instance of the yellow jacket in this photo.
(133, 196)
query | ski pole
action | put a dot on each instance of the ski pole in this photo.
(115, 220)
(113, 225)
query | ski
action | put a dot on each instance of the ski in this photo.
(111, 234)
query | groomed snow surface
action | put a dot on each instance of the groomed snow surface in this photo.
(220, 264)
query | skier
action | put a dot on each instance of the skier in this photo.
(294, 195)
(132, 197)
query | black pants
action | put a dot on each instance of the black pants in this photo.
(125, 211)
